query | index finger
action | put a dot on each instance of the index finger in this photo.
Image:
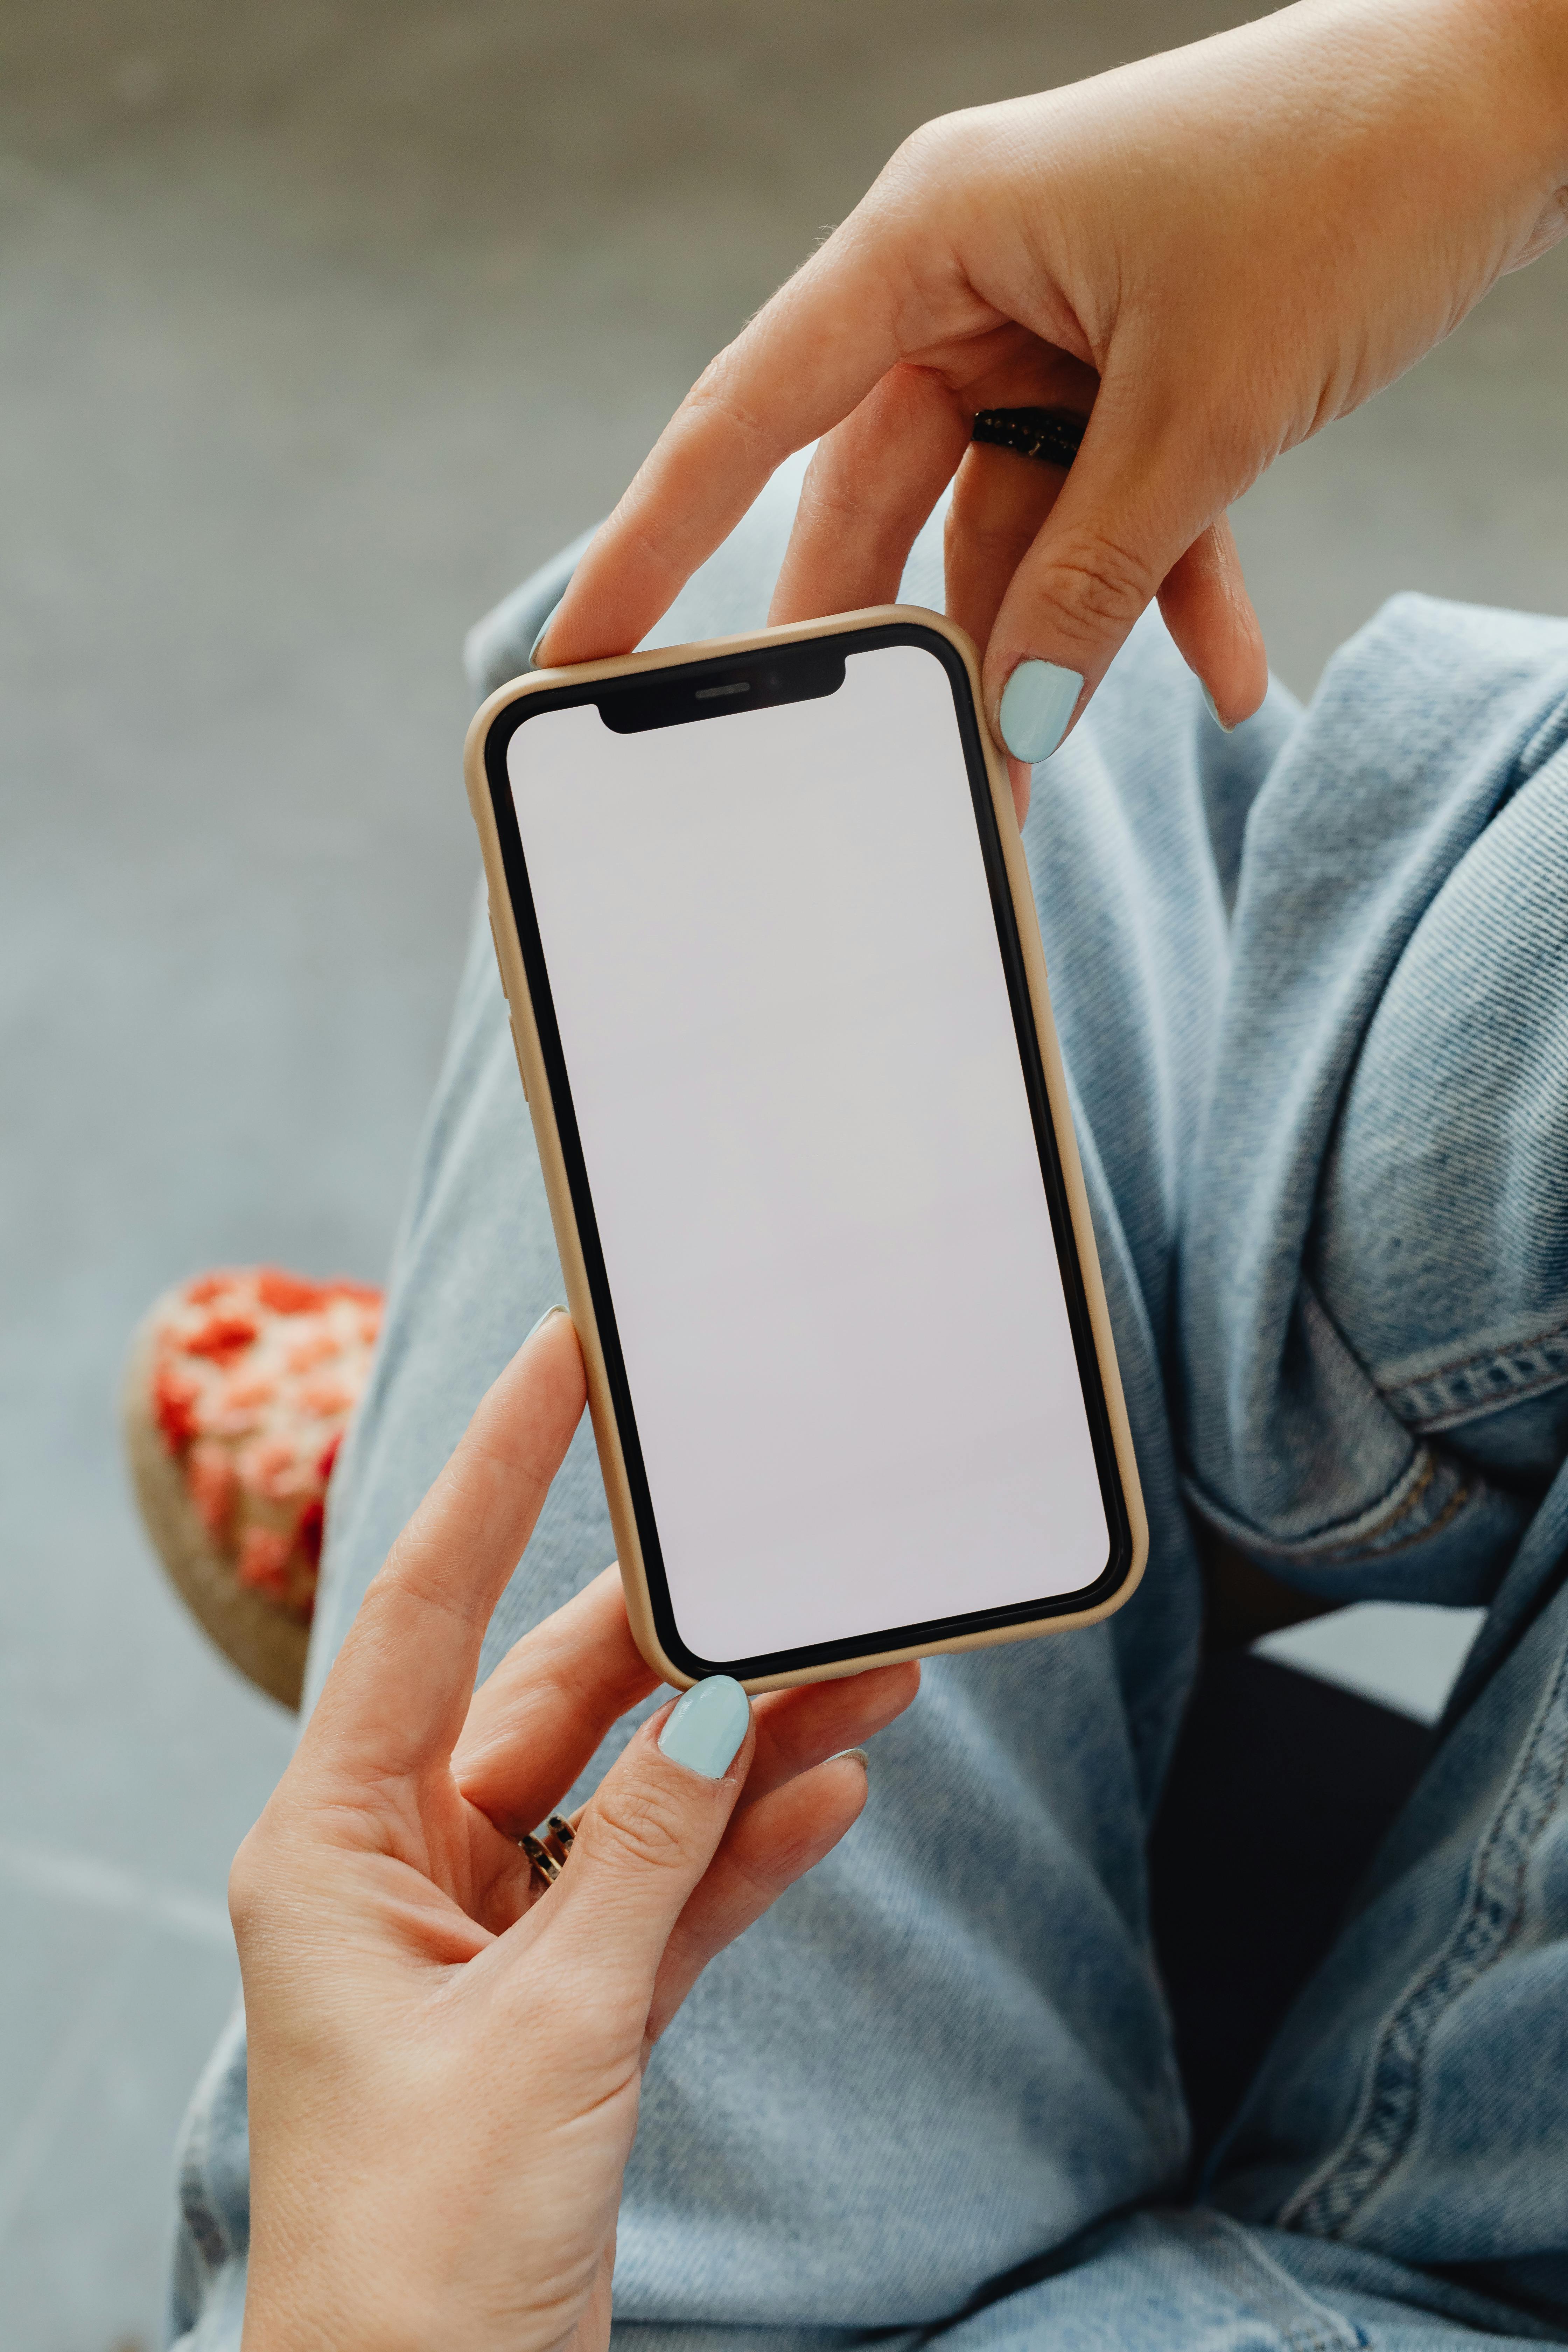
(805, 361)
(399, 1690)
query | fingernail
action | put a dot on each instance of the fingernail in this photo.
(544, 631)
(1213, 712)
(707, 1727)
(853, 1755)
(544, 1319)
(1037, 703)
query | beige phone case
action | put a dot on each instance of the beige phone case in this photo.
(536, 1088)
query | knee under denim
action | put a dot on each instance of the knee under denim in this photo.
(1311, 980)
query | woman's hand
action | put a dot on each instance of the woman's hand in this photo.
(1215, 251)
(445, 2060)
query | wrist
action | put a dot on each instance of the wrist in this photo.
(297, 2302)
(1485, 104)
(280, 2323)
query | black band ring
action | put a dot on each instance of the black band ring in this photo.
(1050, 435)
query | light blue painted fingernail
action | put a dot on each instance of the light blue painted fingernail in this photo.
(1213, 713)
(544, 631)
(1037, 703)
(707, 1727)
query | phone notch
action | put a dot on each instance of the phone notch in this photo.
(804, 673)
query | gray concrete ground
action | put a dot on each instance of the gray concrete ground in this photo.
(321, 322)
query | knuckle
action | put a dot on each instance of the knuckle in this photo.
(264, 1866)
(247, 1885)
(907, 394)
(716, 399)
(927, 151)
(1093, 583)
(634, 1828)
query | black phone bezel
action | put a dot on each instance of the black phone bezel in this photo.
(759, 674)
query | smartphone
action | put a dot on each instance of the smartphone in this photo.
(775, 980)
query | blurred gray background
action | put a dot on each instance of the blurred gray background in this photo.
(321, 323)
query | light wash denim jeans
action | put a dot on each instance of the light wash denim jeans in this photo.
(1312, 985)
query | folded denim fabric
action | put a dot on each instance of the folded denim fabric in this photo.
(1373, 1317)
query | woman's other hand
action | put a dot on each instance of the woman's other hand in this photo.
(445, 2059)
(1216, 250)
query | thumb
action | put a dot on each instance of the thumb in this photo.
(651, 1829)
(1140, 508)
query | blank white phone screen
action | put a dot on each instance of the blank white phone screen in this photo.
(787, 1033)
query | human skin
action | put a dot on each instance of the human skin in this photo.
(445, 2060)
(1212, 253)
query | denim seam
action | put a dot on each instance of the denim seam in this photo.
(1267, 2289)
(1459, 1416)
(1558, 1330)
(1390, 2106)
(1451, 1509)
(1396, 1498)
(1396, 1506)
(1403, 1398)
(1329, 1546)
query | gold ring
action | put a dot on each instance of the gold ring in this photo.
(547, 1863)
